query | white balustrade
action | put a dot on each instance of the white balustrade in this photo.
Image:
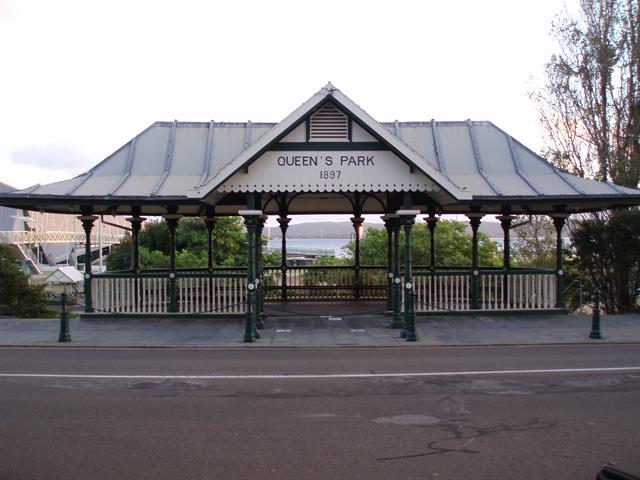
(149, 295)
(497, 291)
(215, 295)
(442, 292)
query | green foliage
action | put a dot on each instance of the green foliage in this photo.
(19, 297)
(229, 245)
(607, 256)
(119, 257)
(331, 260)
(271, 258)
(453, 246)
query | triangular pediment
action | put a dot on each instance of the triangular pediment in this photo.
(329, 144)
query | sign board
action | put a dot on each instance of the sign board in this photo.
(328, 171)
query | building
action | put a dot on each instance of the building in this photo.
(327, 157)
(44, 240)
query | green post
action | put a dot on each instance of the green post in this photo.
(87, 224)
(259, 273)
(136, 225)
(210, 224)
(251, 223)
(397, 320)
(595, 319)
(357, 227)
(408, 219)
(558, 222)
(432, 222)
(172, 223)
(64, 336)
(387, 226)
(505, 222)
(474, 221)
(284, 224)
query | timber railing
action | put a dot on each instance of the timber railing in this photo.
(515, 289)
(223, 290)
(326, 282)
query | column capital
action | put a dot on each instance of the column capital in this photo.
(250, 213)
(88, 218)
(357, 220)
(408, 213)
(172, 216)
(559, 220)
(474, 220)
(135, 219)
(505, 221)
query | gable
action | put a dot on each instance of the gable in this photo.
(320, 170)
(351, 140)
(321, 155)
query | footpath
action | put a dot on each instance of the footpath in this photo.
(321, 325)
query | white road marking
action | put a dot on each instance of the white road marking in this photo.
(317, 376)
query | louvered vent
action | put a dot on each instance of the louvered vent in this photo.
(328, 124)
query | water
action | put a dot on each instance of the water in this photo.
(326, 246)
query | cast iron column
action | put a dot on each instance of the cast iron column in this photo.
(172, 219)
(284, 224)
(408, 218)
(432, 221)
(558, 222)
(251, 224)
(210, 224)
(357, 223)
(259, 277)
(474, 221)
(505, 222)
(397, 321)
(136, 225)
(87, 224)
(387, 226)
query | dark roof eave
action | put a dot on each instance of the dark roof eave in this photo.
(622, 198)
(30, 199)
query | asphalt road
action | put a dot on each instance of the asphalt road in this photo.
(455, 413)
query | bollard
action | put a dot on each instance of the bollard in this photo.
(64, 320)
(595, 319)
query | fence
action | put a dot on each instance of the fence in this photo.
(224, 290)
(497, 290)
(149, 293)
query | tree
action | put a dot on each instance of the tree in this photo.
(229, 245)
(534, 242)
(453, 246)
(19, 297)
(590, 105)
(590, 111)
(607, 254)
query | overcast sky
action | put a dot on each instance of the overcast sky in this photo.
(81, 78)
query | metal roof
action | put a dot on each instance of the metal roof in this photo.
(468, 160)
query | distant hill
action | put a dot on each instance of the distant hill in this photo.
(345, 229)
